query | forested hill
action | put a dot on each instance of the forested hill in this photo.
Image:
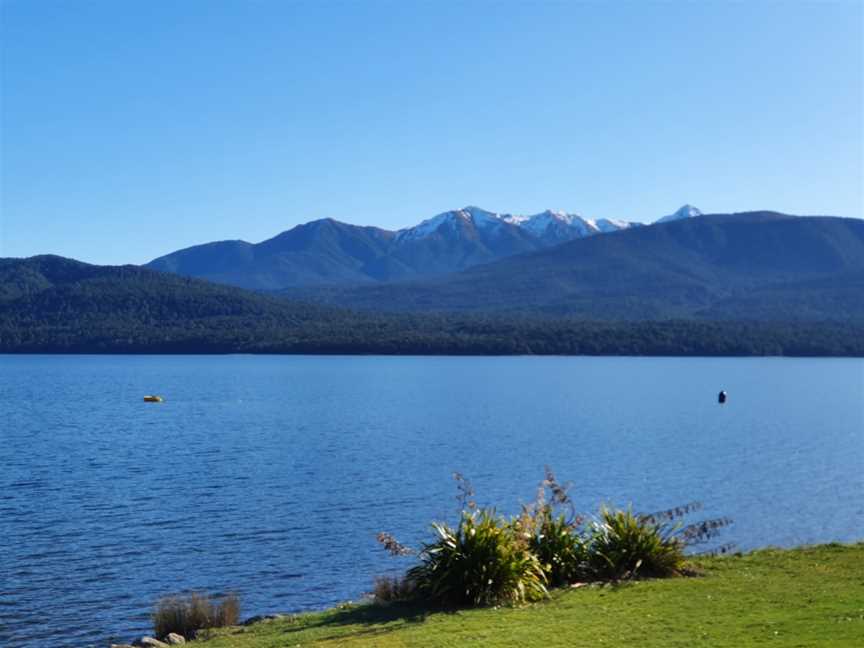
(57, 305)
(50, 289)
(758, 265)
(54, 303)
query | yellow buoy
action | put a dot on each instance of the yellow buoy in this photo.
(152, 399)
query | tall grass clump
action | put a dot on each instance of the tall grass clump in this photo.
(553, 530)
(621, 545)
(483, 561)
(394, 589)
(561, 550)
(186, 615)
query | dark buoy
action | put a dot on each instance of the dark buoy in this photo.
(721, 397)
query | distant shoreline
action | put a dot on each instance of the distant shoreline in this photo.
(340, 353)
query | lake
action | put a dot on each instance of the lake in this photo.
(270, 476)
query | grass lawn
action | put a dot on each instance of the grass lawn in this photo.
(813, 596)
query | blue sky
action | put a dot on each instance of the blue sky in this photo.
(131, 129)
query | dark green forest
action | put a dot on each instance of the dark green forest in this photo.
(55, 305)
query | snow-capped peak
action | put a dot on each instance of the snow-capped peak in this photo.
(687, 211)
(479, 217)
(425, 228)
(539, 224)
(547, 216)
(550, 225)
(479, 212)
(612, 224)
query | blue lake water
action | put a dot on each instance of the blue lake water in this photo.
(271, 476)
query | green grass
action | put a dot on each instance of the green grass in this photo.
(812, 596)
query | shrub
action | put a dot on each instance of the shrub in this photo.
(561, 549)
(556, 540)
(484, 561)
(187, 615)
(622, 545)
(487, 560)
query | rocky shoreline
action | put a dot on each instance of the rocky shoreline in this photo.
(174, 639)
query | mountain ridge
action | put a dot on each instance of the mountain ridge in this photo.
(688, 267)
(328, 251)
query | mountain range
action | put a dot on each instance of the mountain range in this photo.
(329, 252)
(467, 281)
(755, 265)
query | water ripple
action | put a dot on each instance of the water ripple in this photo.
(270, 477)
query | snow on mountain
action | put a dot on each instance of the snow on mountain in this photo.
(539, 224)
(687, 211)
(479, 218)
(557, 226)
(425, 228)
(605, 225)
(551, 226)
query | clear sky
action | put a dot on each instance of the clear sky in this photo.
(134, 128)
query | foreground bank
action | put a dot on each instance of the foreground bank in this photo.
(812, 596)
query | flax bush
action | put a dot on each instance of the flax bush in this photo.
(483, 561)
(622, 545)
(561, 549)
(553, 530)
